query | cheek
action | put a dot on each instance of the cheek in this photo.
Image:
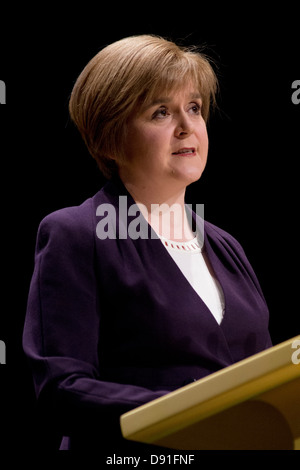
(203, 146)
(153, 147)
(143, 141)
(203, 137)
(155, 139)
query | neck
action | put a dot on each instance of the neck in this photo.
(164, 209)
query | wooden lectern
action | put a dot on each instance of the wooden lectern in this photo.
(253, 404)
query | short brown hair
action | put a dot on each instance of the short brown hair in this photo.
(123, 76)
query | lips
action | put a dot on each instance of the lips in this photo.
(186, 151)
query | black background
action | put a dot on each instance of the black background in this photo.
(250, 185)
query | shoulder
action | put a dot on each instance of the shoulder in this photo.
(216, 231)
(70, 225)
(68, 220)
(230, 250)
(78, 223)
(220, 235)
(78, 217)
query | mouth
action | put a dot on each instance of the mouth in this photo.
(185, 152)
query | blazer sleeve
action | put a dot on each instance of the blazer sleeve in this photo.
(61, 331)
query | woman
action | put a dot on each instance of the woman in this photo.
(118, 313)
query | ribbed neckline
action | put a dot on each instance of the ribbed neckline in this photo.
(191, 246)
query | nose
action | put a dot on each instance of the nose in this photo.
(184, 127)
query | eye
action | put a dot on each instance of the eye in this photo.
(195, 108)
(160, 113)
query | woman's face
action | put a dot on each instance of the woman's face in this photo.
(167, 141)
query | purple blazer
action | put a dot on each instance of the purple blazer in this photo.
(112, 324)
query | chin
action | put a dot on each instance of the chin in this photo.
(191, 176)
(189, 172)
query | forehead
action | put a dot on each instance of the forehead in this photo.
(193, 95)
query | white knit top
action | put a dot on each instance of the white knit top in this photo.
(190, 260)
